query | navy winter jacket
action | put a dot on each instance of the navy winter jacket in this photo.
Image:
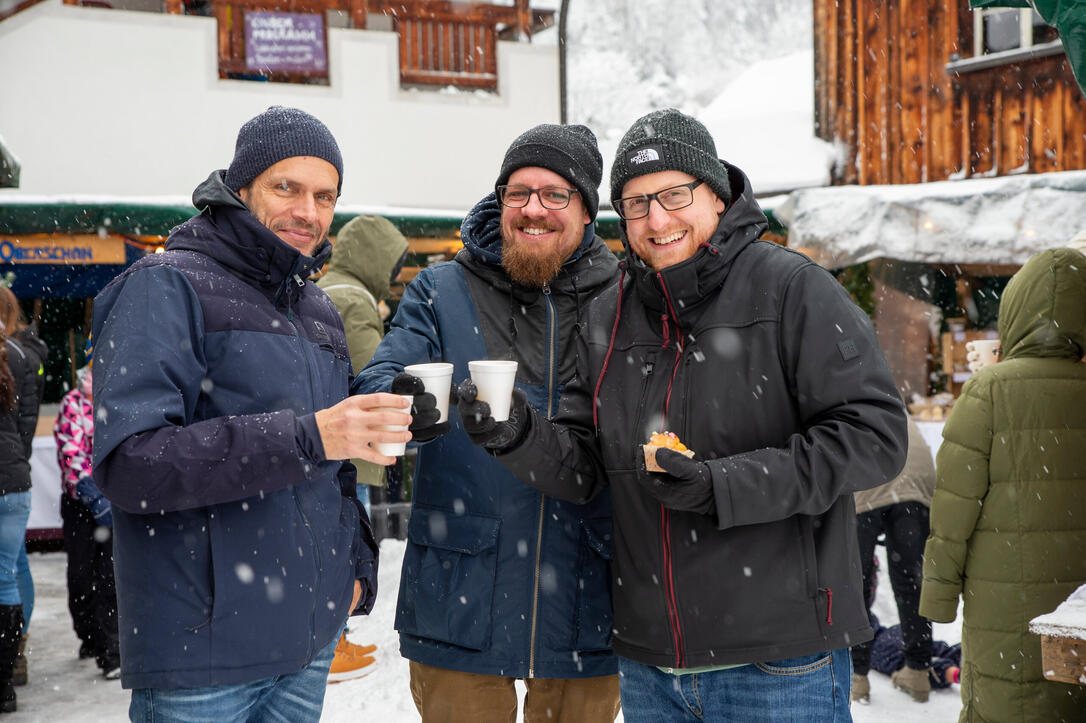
(236, 544)
(499, 579)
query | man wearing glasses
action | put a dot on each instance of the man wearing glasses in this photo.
(736, 572)
(499, 581)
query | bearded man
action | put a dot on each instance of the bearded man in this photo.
(501, 582)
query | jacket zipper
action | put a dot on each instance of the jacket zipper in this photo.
(671, 595)
(294, 488)
(552, 361)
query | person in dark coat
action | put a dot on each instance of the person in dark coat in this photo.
(11, 316)
(18, 418)
(501, 582)
(221, 426)
(736, 577)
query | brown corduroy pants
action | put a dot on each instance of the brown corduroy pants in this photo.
(449, 696)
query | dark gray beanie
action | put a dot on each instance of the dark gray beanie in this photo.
(280, 133)
(570, 151)
(668, 140)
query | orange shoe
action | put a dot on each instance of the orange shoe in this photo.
(351, 661)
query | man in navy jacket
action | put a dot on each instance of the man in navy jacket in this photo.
(501, 582)
(222, 422)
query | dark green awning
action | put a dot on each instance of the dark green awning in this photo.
(1069, 19)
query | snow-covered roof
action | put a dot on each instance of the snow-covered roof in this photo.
(763, 122)
(1068, 620)
(1003, 220)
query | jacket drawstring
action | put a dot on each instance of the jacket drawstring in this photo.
(610, 349)
(678, 343)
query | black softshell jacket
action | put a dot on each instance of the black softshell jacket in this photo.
(759, 361)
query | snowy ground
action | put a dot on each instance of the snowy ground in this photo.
(63, 688)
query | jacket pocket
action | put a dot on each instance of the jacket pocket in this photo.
(592, 628)
(447, 585)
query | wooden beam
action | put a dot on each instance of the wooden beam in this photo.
(1063, 659)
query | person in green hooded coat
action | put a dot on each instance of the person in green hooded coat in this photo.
(1008, 518)
(368, 254)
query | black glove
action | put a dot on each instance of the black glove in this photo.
(482, 428)
(687, 485)
(424, 411)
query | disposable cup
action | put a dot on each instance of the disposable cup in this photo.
(393, 449)
(437, 378)
(981, 353)
(494, 380)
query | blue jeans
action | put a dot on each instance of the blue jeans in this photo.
(26, 586)
(809, 689)
(294, 698)
(364, 496)
(14, 512)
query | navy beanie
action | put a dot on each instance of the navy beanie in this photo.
(280, 133)
(669, 140)
(570, 151)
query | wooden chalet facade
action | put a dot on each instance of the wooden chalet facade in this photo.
(918, 91)
(903, 87)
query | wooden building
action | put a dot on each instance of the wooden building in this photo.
(928, 91)
(917, 92)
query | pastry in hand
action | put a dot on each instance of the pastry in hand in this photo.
(667, 440)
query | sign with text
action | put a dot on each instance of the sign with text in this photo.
(285, 42)
(62, 249)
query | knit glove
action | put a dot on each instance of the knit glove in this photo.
(93, 500)
(424, 411)
(482, 428)
(686, 486)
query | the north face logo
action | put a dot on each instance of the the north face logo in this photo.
(645, 155)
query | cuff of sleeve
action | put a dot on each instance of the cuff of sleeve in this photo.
(308, 438)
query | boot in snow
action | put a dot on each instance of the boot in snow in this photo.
(18, 673)
(914, 682)
(861, 689)
(11, 633)
(351, 661)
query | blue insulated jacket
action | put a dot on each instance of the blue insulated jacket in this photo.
(236, 545)
(499, 579)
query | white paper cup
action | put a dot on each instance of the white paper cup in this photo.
(393, 449)
(982, 353)
(494, 380)
(437, 378)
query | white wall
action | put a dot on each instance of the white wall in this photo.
(112, 102)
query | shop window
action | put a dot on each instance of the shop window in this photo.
(999, 30)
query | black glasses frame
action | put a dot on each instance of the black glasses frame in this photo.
(538, 194)
(650, 197)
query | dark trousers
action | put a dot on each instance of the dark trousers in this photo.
(92, 594)
(905, 525)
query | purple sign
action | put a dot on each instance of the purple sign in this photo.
(285, 42)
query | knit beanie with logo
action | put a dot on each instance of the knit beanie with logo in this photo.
(570, 151)
(669, 140)
(274, 135)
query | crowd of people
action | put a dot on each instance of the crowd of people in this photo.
(216, 473)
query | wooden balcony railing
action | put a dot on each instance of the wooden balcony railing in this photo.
(441, 43)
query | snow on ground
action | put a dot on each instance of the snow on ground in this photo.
(63, 688)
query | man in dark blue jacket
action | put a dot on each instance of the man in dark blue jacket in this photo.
(221, 423)
(499, 581)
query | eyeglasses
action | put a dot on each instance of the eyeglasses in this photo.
(670, 199)
(553, 197)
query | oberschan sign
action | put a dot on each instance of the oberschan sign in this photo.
(285, 42)
(62, 249)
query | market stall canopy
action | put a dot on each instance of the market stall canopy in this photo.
(9, 167)
(1002, 220)
(1069, 19)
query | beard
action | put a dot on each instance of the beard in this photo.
(529, 266)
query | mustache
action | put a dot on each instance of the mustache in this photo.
(298, 225)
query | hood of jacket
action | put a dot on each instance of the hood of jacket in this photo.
(1043, 311)
(482, 254)
(367, 255)
(692, 281)
(228, 232)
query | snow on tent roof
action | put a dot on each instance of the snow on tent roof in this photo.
(1003, 220)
